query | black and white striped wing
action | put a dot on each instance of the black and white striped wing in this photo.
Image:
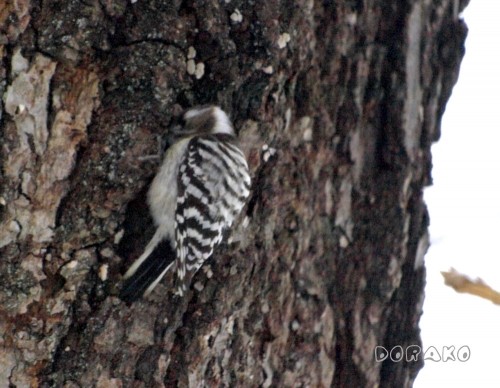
(213, 186)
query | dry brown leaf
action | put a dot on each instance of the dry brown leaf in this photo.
(462, 283)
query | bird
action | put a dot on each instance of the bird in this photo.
(199, 190)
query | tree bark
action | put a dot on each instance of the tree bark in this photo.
(336, 104)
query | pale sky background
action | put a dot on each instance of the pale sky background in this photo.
(464, 206)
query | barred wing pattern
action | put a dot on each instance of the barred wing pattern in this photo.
(213, 185)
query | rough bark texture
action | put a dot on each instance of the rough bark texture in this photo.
(337, 104)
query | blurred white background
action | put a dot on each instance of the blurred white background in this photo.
(464, 206)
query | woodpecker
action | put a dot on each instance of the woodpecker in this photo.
(199, 190)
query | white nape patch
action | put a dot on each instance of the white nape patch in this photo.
(222, 123)
(191, 113)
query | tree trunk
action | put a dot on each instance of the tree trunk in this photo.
(336, 104)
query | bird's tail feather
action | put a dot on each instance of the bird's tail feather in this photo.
(147, 270)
